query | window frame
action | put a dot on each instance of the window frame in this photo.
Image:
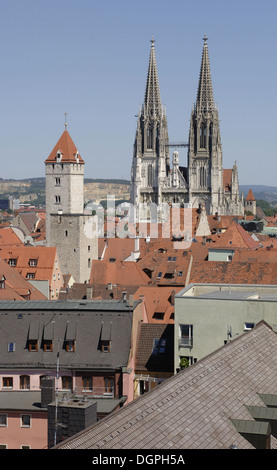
(9, 380)
(24, 382)
(186, 341)
(5, 415)
(22, 416)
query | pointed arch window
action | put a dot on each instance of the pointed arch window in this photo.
(150, 175)
(203, 136)
(203, 177)
(149, 138)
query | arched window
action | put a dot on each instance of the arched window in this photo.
(203, 177)
(149, 138)
(150, 175)
(203, 135)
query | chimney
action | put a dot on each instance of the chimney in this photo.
(89, 292)
(173, 293)
(47, 391)
(131, 300)
(124, 296)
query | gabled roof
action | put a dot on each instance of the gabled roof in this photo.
(16, 287)
(158, 300)
(121, 273)
(67, 148)
(9, 237)
(84, 326)
(236, 237)
(194, 409)
(45, 257)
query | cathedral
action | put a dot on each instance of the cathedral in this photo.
(203, 182)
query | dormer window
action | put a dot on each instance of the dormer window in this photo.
(33, 262)
(58, 157)
(30, 275)
(106, 336)
(12, 261)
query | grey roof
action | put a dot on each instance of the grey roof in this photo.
(90, 305)
(23, 400)
(83, 326)
(196, 408)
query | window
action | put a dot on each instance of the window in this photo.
(33, 262)
(57, 199)
(2, 283)
(159, 346)
(87, 383)
(109, 385)
(25, 421)
(58, 181)
(47, 345)
(66, 233)
(3, 446)
(25, 447)
(150, 175)
(89, 248)
(7, 382)
(11, 347)
(158, 315)
(89, 263)
(185, 339)
(70, 346)
(105, 346)
(33, 344)
(3, 419)
(24, 382)
(159, 275)
(30, 275)
(248, 326)
(12, 262)
(67, 383)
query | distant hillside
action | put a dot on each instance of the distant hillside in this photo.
(266, 193)
(32, 190)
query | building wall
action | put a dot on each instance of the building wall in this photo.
(76, 249)
(14, 435)
(212, 319)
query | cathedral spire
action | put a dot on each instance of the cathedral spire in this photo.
(205, 99)
(152, 98)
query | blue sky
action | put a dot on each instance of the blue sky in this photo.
(89, 59)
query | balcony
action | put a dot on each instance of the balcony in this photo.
(185, 342)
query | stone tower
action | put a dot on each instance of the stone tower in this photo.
(151, 152)
(204, 181)
(65, 218)
(208, 182)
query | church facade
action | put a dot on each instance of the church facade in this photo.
(204, 181)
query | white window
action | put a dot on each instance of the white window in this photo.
(248, 326)
(25, 421)
(11, 347)
(186, 337)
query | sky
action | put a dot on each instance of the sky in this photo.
(89, 59)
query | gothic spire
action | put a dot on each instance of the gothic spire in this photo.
(152, 98)
(205, 99)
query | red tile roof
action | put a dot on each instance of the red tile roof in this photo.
(158, 300)
(9, 237)
(250, 196)
(16, 287)
(236, 237)
(67, 148)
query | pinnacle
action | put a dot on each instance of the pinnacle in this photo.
(205, 99)
(152, 99)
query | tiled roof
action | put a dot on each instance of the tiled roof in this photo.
(236, 237)
(9, 237)
(158, 300)
(227, 179)
(67, 148)
(121, 273)
(146, 360)
(45, 257)
(16, 286)
(250, 196)
(234, 272)
(87, 326)
(194, 408)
